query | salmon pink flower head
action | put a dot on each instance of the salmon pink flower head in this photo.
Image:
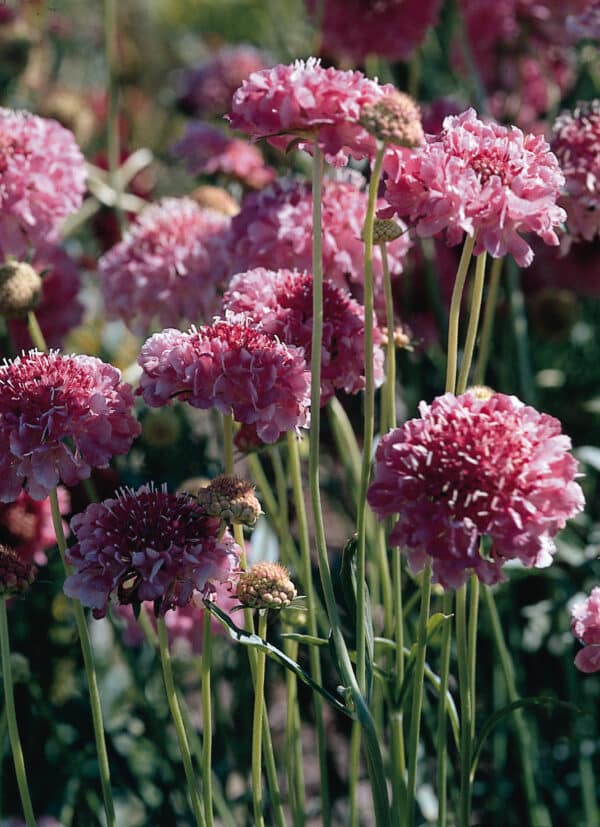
(274, 230)
(308, 102)
(43, 180)
(207, 150)
(280, 302)
(26, 525)
(393, 29)
(585, 625)
(576, 142)
(60, 416)
(474, 469)
(483, 179)
(169, 266)
(234, 367)
(146, 545)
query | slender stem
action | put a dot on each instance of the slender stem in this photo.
(459, 283)
(476, 298)
(472, 646)
(346, 444)
(396, 722)
(207, 720)
(257, 721)
(389, 388)
(293, 743)
(487, 326)
(90, 671)
(11, 717)
(441, 744)
(466, 711)
(35, 332)
(173, 702)
(417, 695)
(353, 775)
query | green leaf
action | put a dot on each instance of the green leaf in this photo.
(310, 640)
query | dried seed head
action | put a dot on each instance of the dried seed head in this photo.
(20, 289)
(16, 574)
(394, 119)
(230, 499)
(266, 586)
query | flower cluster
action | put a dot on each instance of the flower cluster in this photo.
(43, 180)
(168, 266)
(146, 545)
(473, 469)
(585, 625)
(304, 100)
(26, 525)
(280, 301)
(207, 150)
(483, 179)
(60, 416)
(231, 366)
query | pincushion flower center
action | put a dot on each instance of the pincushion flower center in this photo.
(493, 162)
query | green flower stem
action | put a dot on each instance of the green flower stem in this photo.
(396, 721)
(90, 671)
(538, 815)
(389, 388)
(417, 696)
(459, 284)
(257, 724)
(373, 752)
(476, 298)
(487, 326)
(206, 720)
(466, 711)
(313, 651)
(441, 744)
(293, 743)
(35, 332)
(184, 748)
(353, 775)
(472, 646)
(11, 717)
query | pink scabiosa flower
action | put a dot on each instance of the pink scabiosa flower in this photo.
(59, 310)
(585, 625)
(471, 469)
(274, 230)
(482, 179)
(168, 266)
(146, 545)
(207, 150)
(304, 100)
(60, 416)
(353, 29)
(43, 180)
(576, 142)
(280, 302)
(234, 367)
(26, 525)
(207, 89)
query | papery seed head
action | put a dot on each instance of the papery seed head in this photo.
(230, 499)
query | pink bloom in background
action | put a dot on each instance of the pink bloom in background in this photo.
(308, 101)
(578, 270)
(585, 625)
(207, 89)
(26, 525)
(587, 24)
(274, 230)
(59, 310)
(43, 180)
(576, 142)
(231, 366)
(184, 623)
(207, 150)
(280, 302)
(482, 179)
(146, 545)
(169, 266)
(60, 416)
(353, 29)
(472, 468)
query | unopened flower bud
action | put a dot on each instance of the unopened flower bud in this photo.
(230, 499)
(394, 119)
(266, 586)
(20, 289)
(16, 574)
(386, 229)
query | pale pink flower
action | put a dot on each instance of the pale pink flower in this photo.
(280, 302)
(472, 469)
(146, 545)
(585, 625)
(60, 416)
(26, 525)
(231, 366)
(207, 150)
(42, 180)
(59, 310)
(483, 179)
(353, 29)
(305, 100)
(576, 142)
(169, 266)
